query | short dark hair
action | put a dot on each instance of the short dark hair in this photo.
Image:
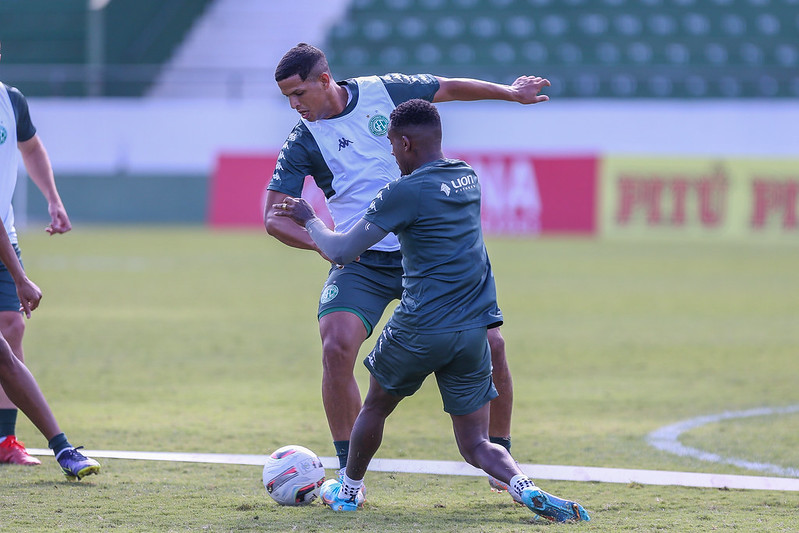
(303, 60)
(416, 112)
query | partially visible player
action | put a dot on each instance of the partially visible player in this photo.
(341, 142)
(20, 385)
(17, 133)
(440, 324)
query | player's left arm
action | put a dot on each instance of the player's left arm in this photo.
(37, 163)
(525, 90)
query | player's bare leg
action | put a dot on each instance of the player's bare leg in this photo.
(501, 406)
(12, 326)
(21, 387)
(471, 434)
(346, 493)
(342, 335)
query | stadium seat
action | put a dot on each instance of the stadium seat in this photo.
(602, 48)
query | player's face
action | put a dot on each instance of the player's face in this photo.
(308, 97)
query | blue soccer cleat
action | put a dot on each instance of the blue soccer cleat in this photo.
(329, 492)
(76, 465)
(553, 508)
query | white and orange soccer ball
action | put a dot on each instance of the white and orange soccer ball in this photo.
(293, 475)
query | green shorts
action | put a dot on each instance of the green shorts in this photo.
(9, 301)
(364, 287)
(461, 361)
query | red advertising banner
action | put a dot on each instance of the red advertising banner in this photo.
(522, 194)
(238, 191)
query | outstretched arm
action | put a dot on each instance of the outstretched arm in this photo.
(524, 90)
(341, 248)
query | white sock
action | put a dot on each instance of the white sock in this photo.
(350, 487)
(518, 483)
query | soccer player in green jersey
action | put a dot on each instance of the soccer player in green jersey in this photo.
(440, 325)
(341, 142)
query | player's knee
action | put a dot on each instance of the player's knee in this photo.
(12, 327)
(469, 452)
(338, 357)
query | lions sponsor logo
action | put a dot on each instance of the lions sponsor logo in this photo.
(328, 293)
(378, 125)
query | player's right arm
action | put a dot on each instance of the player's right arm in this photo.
(283, 229)
(297, 159)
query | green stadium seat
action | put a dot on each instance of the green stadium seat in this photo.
(592, 48)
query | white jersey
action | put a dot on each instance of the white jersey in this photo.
(357, 151)
(9, 161)
(349, 155)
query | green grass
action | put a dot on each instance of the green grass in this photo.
(172, 339)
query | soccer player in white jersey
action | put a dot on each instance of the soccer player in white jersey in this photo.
(341, 142)
(18, 293)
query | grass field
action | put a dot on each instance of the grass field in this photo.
(197, 341)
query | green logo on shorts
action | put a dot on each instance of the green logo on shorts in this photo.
(3, 135)
(328, 293)
(378, 125)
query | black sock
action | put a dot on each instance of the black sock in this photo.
(502, 441)
(342, 451)
(58, 443)
(8, 422)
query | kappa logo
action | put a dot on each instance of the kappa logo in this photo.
(378, 125)
(445, 188)
(343, 143)
(328, 293)
(3, 135)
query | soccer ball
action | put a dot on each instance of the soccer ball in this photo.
(293, 475)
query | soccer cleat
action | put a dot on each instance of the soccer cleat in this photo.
(497, 485)
(13, 452)
(329, 492)
(553, 508)
(76, 465)
(341, 472)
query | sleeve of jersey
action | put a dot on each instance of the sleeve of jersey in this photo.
(404, 87)
(293, 164)
(25, 128)
(394, 208)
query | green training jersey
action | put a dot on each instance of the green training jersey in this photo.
(447, 280)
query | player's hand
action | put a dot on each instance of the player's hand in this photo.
(298, 209)
(526, 89)
(29, 296)
(59, 221)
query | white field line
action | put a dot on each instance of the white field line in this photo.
(667, 439)
(456, 468)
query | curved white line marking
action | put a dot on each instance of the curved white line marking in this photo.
(667, 439)
(458, 468)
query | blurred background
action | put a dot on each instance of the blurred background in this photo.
(667, 118)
